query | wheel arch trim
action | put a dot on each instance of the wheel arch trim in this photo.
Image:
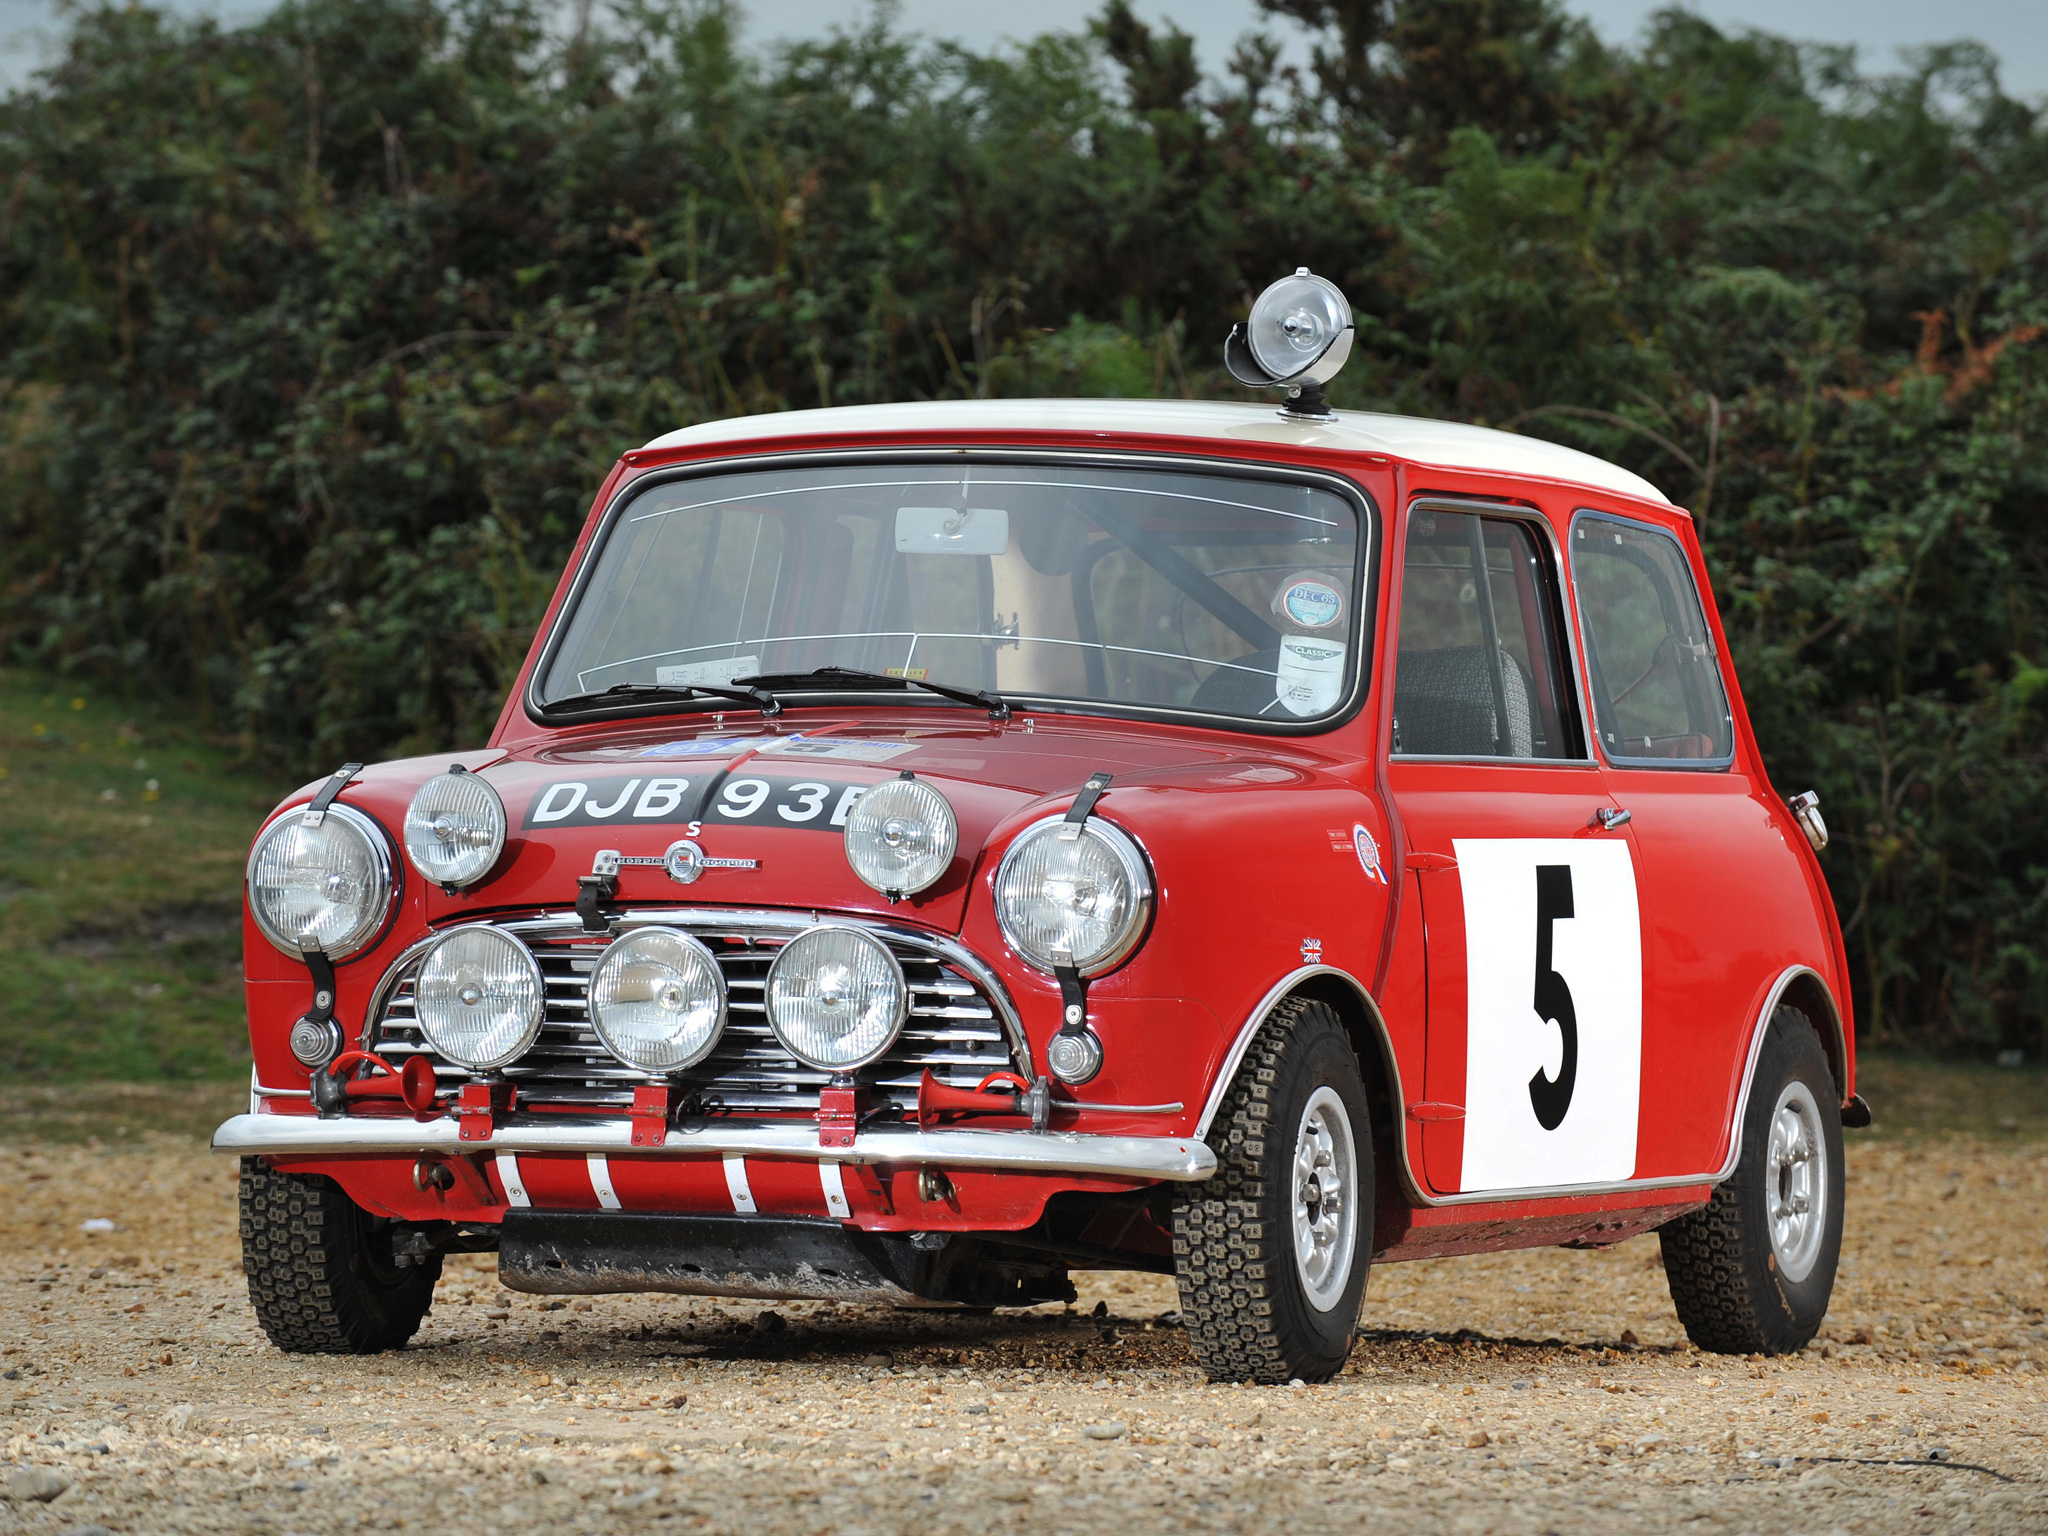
(1375, 1025)
(1281, 990)
(1833, 1045)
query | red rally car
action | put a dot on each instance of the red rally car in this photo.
(934, 848)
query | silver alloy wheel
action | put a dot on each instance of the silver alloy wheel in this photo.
(1796, 1181)
(1325, 1201)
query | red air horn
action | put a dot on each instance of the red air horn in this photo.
(1000, 1093)
(414, 1082)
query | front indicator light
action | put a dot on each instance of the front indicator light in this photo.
(836, 998)
(657, 1000)
(479, 997)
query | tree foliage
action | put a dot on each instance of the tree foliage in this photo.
(316, 334)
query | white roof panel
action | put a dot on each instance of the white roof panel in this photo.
(1446, 444)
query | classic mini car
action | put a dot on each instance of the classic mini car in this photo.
(931, 849)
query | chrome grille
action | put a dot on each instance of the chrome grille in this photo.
(957, 1026)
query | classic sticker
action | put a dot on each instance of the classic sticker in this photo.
(739, 799)
(1310, 675)
(1554, 1011)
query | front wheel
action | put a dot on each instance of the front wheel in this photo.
(1272, 1251)
(322, 1273)
(1751, 1272)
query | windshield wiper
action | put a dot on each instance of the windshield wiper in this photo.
(629, 693)
(853, 677)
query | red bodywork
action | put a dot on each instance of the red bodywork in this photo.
(1259, 890)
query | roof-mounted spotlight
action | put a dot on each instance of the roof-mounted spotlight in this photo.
(1298, 336)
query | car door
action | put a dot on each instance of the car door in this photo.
(1527, 893)
(1726, 904)
(1528, 904)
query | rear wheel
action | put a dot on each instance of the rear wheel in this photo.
(1272, 1252)
(322, 1274)
(1752, 1271)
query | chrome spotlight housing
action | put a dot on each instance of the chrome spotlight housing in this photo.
(479, 997)
(657, 1000)
(1297, 336)
(836, 998)
(455, 829)
(901, 836)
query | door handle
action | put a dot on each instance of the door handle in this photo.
(1608, 817)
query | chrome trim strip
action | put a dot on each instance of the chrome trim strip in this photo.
(394, 973)
(258, 1091)
(1785, 979)
(1775, 996)
(1290, 983)
(1365, 574)
(1285, 988)
(1567, 597)
(1179, 1159)
(1282, 989)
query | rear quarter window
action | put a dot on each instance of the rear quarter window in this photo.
(1658, 700)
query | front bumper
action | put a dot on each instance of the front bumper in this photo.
(1172, 1158)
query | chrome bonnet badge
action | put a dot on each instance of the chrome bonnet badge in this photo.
(684, 860)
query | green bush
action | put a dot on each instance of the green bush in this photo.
(317, 334)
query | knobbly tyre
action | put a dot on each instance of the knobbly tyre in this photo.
(934, 848)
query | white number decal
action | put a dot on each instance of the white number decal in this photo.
(742, 797)
(811, 798)
(1553, 1011)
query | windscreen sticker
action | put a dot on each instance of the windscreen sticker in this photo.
(1309, 602)
(1310, 676)
(756, 800)
(1554, 1011)
(717, 674)
(836, 748)
(700, 746)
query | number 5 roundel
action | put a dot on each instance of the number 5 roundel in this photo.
(1554, 1011)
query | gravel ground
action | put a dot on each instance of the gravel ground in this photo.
(1535, 1392)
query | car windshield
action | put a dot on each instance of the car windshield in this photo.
(1156, 589)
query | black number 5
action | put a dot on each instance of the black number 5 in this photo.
(1549, 1096)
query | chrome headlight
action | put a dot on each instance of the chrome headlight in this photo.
(479, 997)
(901, 835)
(836, 998)
(657, 1000)
(328, 885)
(1073, 900)
(455, 829)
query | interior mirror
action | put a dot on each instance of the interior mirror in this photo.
(952, 530)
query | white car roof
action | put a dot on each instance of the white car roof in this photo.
(1445, 444)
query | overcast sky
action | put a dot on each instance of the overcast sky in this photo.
(2016, 30)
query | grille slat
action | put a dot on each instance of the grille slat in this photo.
(953, 1029)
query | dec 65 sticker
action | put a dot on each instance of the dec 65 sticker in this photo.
(1554, 1011)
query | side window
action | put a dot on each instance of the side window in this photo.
(1657, 694)
(1478, 674)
